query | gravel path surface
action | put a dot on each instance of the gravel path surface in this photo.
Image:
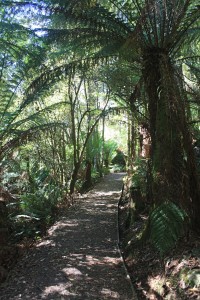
(79, 259)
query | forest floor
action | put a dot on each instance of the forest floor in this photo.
(79, 257)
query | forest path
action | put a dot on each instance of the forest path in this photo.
(79, 258)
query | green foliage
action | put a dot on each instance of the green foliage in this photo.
(117, 168)
(30, 216)
(190, 277)
(94, 146)
(42, 203)
(94, 175)
(35, 196)
(109, 147)
(139, 177)
(24, 226)
(119, 159)
(166, 224)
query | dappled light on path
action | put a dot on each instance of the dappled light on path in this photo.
(79, 258)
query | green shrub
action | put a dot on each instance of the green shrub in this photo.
(139, 177)
(119, 158)
(42, 203)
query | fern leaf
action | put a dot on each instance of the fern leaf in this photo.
(166, 226)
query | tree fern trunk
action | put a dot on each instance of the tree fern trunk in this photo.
(174, 178)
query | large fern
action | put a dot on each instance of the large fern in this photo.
(166, 225)
(154, 32)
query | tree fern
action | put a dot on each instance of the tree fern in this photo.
(154, 31)
(166, 224)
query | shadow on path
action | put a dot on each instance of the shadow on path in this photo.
(79, 258)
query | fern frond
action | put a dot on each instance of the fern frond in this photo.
(22, 136)
(166, 224)
(95, 15)
(52, 75)
(34, 116)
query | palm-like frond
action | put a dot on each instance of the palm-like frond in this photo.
(166, 226)
(51, 75)
(30, 134)
(92, 15)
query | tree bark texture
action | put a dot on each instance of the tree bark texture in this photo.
(3, 223)
(173, 165)
(74, 178)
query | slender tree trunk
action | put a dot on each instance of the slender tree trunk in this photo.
(103, 144)
(88, 176)
(3, 223)
(74, 177)
(132, 141)
(129, 141)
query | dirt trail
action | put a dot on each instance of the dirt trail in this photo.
(79, 259)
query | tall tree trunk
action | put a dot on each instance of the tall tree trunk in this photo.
(129, 142)
(103, 144)
(172, 158)
(3, 223)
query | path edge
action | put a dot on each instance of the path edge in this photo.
(121, 256)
